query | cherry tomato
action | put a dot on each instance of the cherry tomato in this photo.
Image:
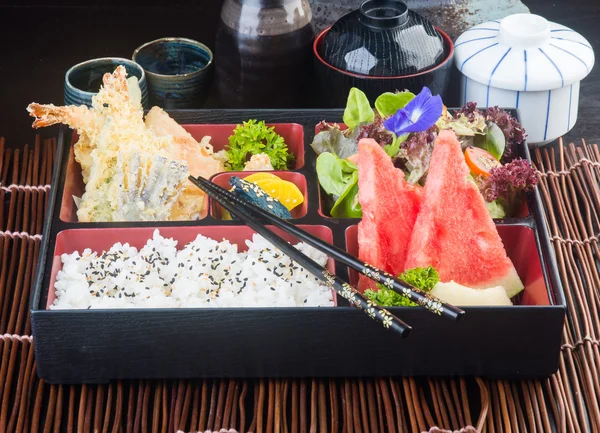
(480, 161)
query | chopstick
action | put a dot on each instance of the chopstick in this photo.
(421, 298)
(345, 290)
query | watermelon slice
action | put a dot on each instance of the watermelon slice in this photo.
(454, 231)
(389, 205)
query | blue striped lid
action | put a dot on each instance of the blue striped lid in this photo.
(523, 52)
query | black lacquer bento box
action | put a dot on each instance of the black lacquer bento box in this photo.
(95, 346)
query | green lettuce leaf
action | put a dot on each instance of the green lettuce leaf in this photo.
(358, 109)
(393, 149)
(334, 173)
(493, 141)
(462, 126)
(347, 205)
(388, 103)
(337, 142)
(339, 179)
(496, 209)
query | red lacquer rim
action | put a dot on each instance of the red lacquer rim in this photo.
(320, 36)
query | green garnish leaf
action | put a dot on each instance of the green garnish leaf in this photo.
(337, 142)
(252, 138)
(463, 125)
(334, 173)
(388, 103)
(339, 179)
(393, 149)
(347, 205)
(493, 141)
(388, 298)
(496, 209)
(358, 109)
(422, 278)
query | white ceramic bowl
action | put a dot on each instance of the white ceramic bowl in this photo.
(529, 63)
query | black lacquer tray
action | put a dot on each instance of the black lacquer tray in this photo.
(95, 346)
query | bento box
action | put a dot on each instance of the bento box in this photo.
(99, 345)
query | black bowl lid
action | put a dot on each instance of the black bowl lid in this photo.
(383, 39)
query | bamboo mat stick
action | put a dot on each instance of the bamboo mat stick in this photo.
(570, 188)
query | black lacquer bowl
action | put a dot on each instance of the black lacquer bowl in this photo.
(381, 49)
(382, 39)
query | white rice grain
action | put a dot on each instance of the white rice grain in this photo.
(204, 274)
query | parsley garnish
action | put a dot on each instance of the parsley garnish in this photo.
(422, 278)
(252, 138)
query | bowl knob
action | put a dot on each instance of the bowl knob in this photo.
(524, 30)
(383, 14)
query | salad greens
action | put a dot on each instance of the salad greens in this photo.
(362, 122)
(339, 179)
(334, 172)
(332, 139)
(358, 109)
(507, 183)
(406, 126)
(252, 138)
(422, 278)
(347, 205)
(496, 209)
(493, 141)
(389, 103)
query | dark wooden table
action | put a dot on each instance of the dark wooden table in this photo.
(39, 42)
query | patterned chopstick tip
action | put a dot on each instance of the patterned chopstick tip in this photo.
(426, 300)
(359, 301)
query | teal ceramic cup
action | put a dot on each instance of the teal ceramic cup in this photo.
(179, 71)
(83, 81)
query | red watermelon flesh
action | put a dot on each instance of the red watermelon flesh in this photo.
(389, 205)
(454, 231)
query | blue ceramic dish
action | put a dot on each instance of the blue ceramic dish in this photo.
(83, 81)
(179, 71)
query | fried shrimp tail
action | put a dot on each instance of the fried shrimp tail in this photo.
(46, 115)
(117, 80)
(114, 123)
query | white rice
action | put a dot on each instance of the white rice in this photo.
(205, 273)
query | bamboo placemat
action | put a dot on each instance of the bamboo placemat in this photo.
(567, 402)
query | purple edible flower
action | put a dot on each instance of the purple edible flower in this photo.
(418, 115)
